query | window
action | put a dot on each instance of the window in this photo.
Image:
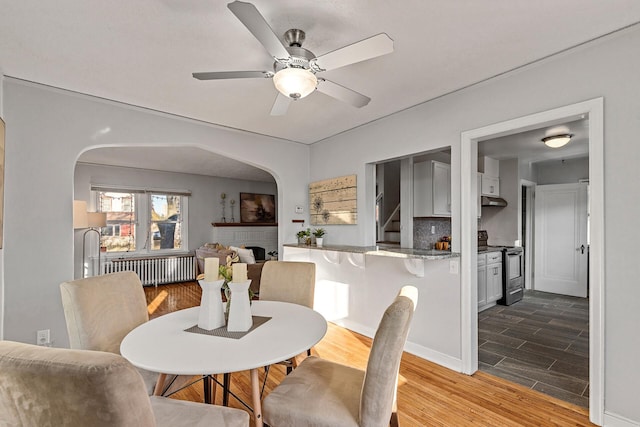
(119, 234)
(142, 222)
(165, 222)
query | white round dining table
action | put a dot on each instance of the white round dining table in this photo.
(162, 345)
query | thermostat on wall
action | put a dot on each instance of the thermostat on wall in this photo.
(299, 209)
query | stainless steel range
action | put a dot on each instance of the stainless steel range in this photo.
(512, 269)
(512, 277)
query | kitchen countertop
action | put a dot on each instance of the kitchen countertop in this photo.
(428, 254)
(488, 249)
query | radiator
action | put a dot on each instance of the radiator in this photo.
(156, 271)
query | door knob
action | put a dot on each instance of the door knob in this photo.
(581, 249)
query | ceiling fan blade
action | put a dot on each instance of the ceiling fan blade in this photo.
(255, 22)
(342, 93)
(281, 105)
(372, 47)
(218, 75)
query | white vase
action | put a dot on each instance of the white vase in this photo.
(240, 319)
(211, 315)
(319, 241)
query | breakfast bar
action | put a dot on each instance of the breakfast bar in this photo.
(353, 284)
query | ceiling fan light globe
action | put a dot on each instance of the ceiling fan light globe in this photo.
(296, 83)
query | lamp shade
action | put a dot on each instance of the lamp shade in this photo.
(96, 219)
(80, 218)
(295, 83)
(557, 141)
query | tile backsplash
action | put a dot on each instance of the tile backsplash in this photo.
(422, 236)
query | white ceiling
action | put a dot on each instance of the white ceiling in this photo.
(143, 52)
(528, 146)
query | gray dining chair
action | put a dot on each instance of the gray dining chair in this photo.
(101, 310)
(284, 281)
(42, 386)
(289, 281)
(322, 393)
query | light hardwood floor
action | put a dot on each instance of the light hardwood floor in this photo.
(428, 394)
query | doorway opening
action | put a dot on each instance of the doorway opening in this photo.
(593, 111)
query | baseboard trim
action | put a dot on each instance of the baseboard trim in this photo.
(615, 420)
(410, 347)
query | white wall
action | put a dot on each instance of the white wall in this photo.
(581, 74)
(204, 202)
(562, 171)
(47, 129)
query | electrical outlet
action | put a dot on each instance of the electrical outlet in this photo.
(433, 229)
(43, 337)
(454, 266)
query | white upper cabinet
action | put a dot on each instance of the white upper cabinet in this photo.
(490, 185)
(431, 189)
(490, 177)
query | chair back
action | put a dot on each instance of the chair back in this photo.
(42, 386)
(381, 376)
(100, 311)
(288, 281)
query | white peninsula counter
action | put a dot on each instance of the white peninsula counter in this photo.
(355, 284)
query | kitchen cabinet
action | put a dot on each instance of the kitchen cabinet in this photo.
(494, 276)
(482, 280)
(431, 189)
(490, 185)
(489, 279)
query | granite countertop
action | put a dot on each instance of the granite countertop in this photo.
(383, 251)
(488, 249)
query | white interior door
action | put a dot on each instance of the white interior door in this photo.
(561, 250)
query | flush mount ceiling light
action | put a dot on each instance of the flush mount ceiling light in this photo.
(557, 141)
(295, 83)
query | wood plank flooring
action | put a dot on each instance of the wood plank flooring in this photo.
(428, 394)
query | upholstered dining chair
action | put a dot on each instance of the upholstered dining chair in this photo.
(289, 281)
(321, 393)
(284, 281)
(42, 386)
(101, 310)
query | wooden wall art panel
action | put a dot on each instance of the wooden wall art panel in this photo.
(333, 201)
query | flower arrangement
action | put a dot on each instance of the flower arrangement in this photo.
(226, 272)
(304, 236)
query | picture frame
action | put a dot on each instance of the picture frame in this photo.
(257, 208)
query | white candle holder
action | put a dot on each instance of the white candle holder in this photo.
(240, 319)
(211, 315)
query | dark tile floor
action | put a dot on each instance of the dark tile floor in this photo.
(541, 342)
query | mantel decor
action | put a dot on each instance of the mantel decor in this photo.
(334, 201)
(241, 224)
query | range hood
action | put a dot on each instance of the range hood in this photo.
(493, 201)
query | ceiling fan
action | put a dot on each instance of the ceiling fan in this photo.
(295, 69)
